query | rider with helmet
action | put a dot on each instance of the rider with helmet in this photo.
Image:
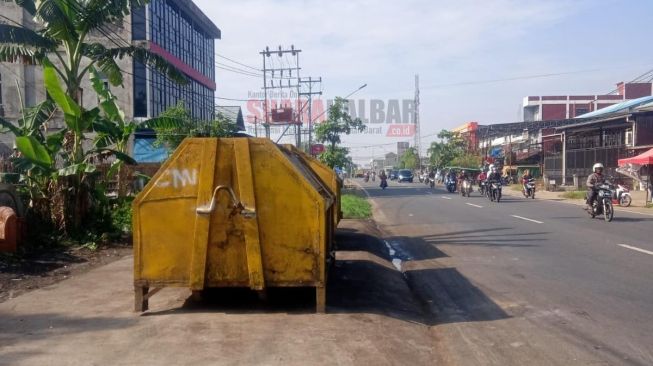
(462, 177)
(494, 175)
(593, 182)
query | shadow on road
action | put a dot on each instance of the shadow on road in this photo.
(398, 191)
(363, 280)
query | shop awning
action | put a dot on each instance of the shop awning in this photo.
(641, 159)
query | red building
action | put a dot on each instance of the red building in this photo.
(558, 107)
(469, 133)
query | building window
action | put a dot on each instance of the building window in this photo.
(140, 90)
(139, 24)
(581, 111)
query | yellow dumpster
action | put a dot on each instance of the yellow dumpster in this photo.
(326, 174)
(232, 212)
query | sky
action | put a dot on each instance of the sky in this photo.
(465, 52)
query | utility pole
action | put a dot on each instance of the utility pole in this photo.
(310, 81)
(418, 137)
(273, 73)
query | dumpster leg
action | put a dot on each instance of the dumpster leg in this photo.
(196, 296)
(320, 300)
(141, 302)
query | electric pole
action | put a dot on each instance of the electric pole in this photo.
(418, 137)
(310, 81)
(273, 74)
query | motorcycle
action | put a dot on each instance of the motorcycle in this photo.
(466, 188)
(482, 188)
(603, 203)
(494, 191)
(451, 185)
(622, 196)
(366, 179)
(529, 191)
(431, 182)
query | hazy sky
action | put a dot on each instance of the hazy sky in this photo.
(455, 47)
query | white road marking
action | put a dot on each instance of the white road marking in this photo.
(527, 219)
(446, 198)
(636, 249)
(473, 205)
(411, 215)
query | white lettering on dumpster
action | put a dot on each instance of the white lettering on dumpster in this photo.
(178, 178)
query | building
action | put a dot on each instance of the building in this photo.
(558, 107)
(616, 132)
(402, 147)
(469, 133)
(176, 30)
(391, 160)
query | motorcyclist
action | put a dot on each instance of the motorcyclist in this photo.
(463, 176)
(373, 176)
(384, 179)
(525, 178)
(594, 180)
(494, 175)
(482, 178)
(451, 177)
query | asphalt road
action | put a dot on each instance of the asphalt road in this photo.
(523, 281)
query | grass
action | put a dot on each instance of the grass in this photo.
(355, 207)
(574, 195)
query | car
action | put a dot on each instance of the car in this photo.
(405, 175)
(393, 175)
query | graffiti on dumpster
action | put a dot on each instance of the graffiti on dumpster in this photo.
(178, 178)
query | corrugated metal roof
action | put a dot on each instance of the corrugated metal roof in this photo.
(623, 107)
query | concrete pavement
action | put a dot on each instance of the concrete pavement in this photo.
(372, 319)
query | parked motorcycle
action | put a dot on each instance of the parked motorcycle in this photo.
(622, 196)
(466, 188)
(529, 190)
(494, 191)
(603, 203)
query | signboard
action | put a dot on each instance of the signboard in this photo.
(317, 149)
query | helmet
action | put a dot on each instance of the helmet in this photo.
(493, 169)
(597, 166)
(463, 171)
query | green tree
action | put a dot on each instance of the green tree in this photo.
(171, 136)
(62, 41)
(442, 153)
(467, 161)
(338, 123)
(336, 157)
(409, 159)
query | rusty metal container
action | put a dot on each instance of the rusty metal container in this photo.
(239, 212)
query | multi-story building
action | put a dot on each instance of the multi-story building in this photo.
(176, 30)
(402, 147)
(558, 107)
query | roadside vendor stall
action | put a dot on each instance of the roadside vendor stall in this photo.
(634, 168)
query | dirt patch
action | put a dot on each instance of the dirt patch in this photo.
(20, 274)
